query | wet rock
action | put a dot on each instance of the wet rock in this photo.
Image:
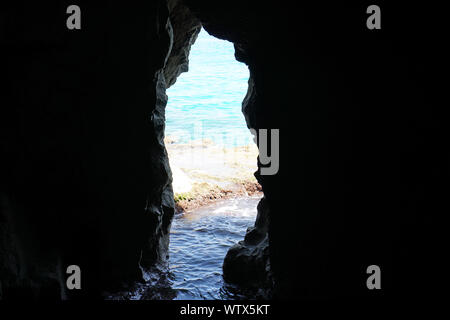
(247, 263)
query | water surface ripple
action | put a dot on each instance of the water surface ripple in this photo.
(199, 242)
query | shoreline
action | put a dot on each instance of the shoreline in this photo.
(204, 173)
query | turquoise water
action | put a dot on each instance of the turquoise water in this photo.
(205, 102)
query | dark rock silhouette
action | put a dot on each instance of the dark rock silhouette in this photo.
(247, 262)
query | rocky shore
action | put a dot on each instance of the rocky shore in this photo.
(204, 172)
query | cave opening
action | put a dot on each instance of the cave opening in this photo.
(212, 158)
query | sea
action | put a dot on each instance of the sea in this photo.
(206, 101)
(199, 241)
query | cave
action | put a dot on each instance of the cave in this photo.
(86, 178)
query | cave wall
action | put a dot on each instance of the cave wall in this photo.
(86, 180)
(362, 162)
(86, 175)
